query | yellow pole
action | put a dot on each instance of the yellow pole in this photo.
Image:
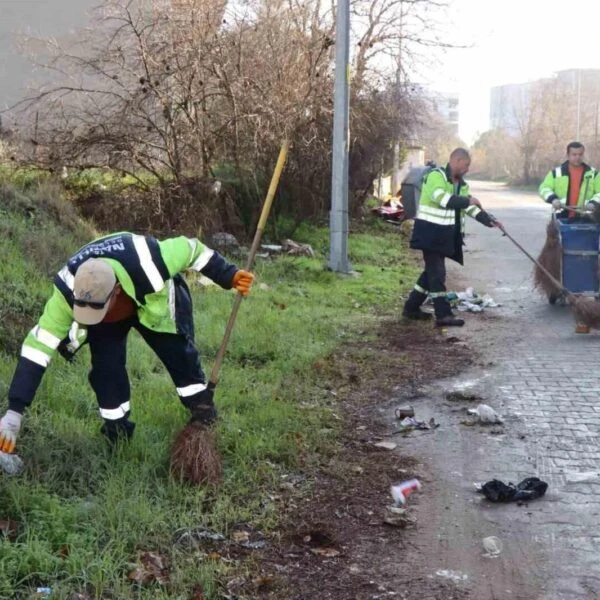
(264, 215)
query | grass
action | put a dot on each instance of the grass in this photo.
(87, 515)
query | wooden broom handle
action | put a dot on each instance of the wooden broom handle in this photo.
(547, 273)
(264, 215)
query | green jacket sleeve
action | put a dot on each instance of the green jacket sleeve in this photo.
(183, 253)
(546, 189)
(37, 351)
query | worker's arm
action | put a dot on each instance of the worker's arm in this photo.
(36, 353)
(38, 349)
(546, 189)
(183, 253)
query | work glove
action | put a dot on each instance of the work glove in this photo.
(10, 424)
(556, 204)
(591, 205)
(202, 407)
(242, 282)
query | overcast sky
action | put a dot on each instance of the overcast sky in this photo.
(514, 41)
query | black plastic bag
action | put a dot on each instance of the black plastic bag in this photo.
(529, 489)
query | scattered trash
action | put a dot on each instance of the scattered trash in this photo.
(192, 538)
(385, 445)
(398, 517)
(410, 423)
(471, 301)
(401, 491)
(529, 489)
(573, 477)
(486, 414)
(404, 411)
(454, 575)
(492, 545)
(42, 592)
(11, 464)
(295, 249)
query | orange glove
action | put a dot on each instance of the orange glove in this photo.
(242, 282)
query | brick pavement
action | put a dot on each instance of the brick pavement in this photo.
(545, 380)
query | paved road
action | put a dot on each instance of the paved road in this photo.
(544, 378)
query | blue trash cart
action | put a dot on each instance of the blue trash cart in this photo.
(580, 242)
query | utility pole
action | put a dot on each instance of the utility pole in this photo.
(338, 217)
(578, 103)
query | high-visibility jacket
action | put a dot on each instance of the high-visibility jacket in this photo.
(557, 182)
(148, 271)
(440, 221)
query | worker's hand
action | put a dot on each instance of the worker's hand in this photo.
(556, 204)
(474, 202)
(242, 282)
(591, 205)
(498, 224)
(10, 424)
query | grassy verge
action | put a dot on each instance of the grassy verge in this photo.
(85, 516)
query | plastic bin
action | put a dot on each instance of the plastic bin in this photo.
(580, 247)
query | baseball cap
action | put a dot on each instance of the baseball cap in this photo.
(94, 286)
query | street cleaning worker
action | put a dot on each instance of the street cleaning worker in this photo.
(107, 287)
(439, 232)
(573, 183)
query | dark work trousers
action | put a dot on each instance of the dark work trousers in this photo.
(109, 379)
(432, 281)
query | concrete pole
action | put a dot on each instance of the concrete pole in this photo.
(338, 217)
(578, 104)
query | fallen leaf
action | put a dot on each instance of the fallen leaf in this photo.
(153, 568)
(9, 528)
(64, 551)
(197, 593)
(327, 552)
(240, 536)
(213, 556)
(263, 581)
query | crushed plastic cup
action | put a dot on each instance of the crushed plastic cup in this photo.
(492, 545)
(401, 491)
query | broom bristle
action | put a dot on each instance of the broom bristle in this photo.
(194, 456)
(586, 311)
(550, 258)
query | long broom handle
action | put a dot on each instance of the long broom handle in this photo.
(264, 215)
(547, 273)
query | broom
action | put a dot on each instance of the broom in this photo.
(585, 309)
(550, 259)
(194, 456)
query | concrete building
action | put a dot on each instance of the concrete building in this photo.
(509, 101)
(446, 104)
(33, 18)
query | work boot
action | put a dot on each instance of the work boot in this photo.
(120, 429)
(449, 321)
(417, 315)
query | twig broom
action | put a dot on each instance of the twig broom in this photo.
(585, 309)
(194, 456)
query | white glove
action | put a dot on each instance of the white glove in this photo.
(10, 424)
(556, 204)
